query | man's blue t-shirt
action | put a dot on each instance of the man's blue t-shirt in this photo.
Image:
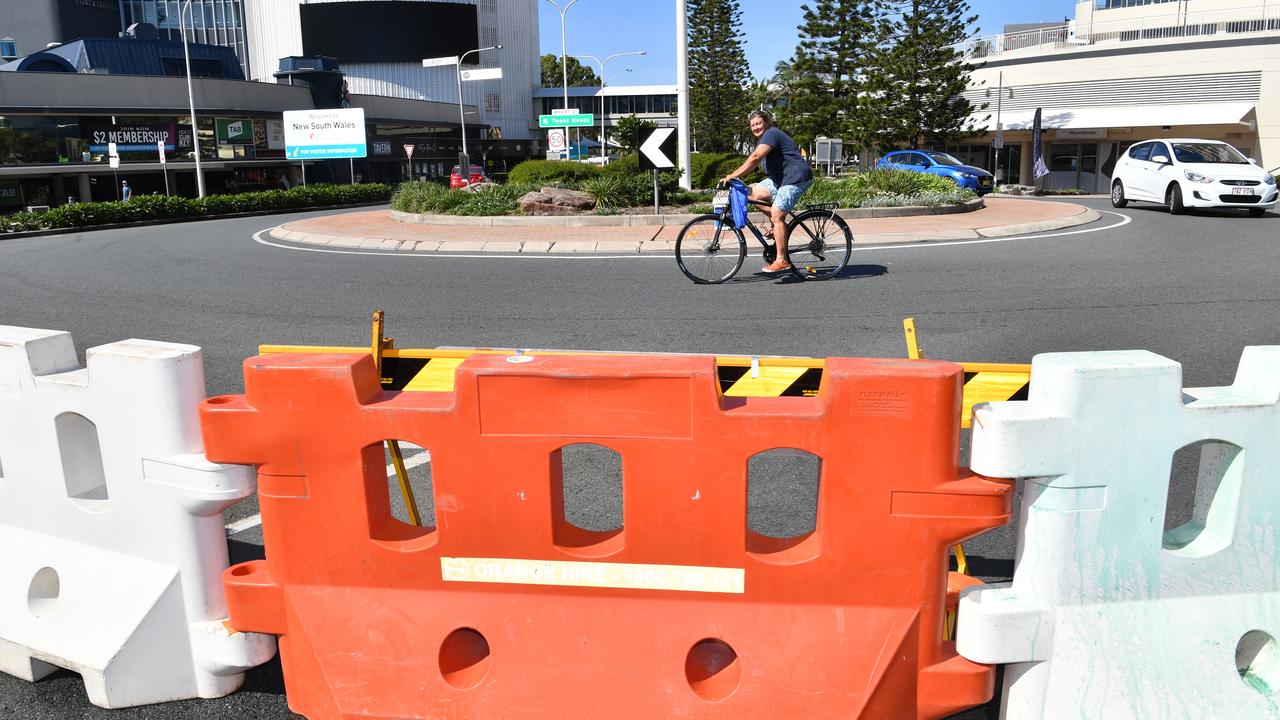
(783, 164)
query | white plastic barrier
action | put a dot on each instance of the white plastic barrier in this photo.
(1108, 615)
(111, 534)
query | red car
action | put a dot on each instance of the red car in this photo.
(456, 181)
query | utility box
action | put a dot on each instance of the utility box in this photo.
(829, 152)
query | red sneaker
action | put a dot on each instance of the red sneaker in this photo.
(776, 266)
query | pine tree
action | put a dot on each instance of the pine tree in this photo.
(827, 72)
(919, 78)
(719, 76)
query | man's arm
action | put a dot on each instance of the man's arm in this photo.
(749, 164)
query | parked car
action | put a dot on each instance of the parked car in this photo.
(456, 181)
(1190, 173)
(939, 163)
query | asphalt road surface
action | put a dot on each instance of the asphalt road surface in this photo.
(1195, 288)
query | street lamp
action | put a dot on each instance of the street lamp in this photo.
(564, 63)
(602, 63)
(462, 116)
(195, 131)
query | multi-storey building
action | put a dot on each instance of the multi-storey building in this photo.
(212, 22)
(1122, 71)
(381, 46)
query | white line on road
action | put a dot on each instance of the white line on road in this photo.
(253, 521)
(258, 237)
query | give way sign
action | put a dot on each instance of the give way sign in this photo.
(657, 148)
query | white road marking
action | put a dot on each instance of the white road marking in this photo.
(258, 237)
(253, 521)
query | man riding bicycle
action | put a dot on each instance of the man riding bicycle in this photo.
(788, 178)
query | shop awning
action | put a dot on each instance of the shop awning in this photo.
(1127, 116)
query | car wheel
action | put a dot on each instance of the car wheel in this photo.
(1174, 200)
(1257, 212)
(1117, 195)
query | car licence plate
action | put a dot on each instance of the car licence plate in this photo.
(1242, 191)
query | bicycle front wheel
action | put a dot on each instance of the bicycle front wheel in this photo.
(819, 243)
(710, 249)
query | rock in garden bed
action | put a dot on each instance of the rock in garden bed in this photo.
(556, 201)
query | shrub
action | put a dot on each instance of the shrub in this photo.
(700, 209)
(706, 169)
(544, 172)
(488, 200)
(609, 191)
(160, 207)
(681, 197)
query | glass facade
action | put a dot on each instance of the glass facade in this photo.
(1109, 4)
(616, 104)
(213, 22)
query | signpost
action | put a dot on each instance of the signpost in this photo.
(555, 141)
(324, 135)
(657, 148)
(163, 170)
(113, 157)
(566, 121)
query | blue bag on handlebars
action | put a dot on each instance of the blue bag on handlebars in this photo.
(738, 202)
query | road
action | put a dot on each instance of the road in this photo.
(1194, 288)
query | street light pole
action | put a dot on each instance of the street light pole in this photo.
(602, 63)
(682, 91)
(462, 119)
(195, 131)
(564, 63)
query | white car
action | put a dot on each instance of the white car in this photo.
(1192, 174)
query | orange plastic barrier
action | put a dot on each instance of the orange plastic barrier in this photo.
(506, 610)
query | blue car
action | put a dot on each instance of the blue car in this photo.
(939, 163)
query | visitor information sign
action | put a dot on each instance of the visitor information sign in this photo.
(322, 134)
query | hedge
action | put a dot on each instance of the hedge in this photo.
(162, 207)
(546, 172)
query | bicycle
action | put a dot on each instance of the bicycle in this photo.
(710, 250)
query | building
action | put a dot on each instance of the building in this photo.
(1122, 71)
(656, 103)
(210, 22)
(381, 46)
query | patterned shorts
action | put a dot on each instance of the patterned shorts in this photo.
(786, 197)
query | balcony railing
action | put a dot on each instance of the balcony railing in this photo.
(1170, 25)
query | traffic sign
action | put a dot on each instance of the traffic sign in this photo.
(566, 121)
(481, 74)
(440, 61)
(657, 148)
(998, 143)
(555, 140)
(408, 150)
(160, 147)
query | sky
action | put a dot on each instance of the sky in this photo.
(604, 27)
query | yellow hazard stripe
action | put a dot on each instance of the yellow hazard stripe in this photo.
(772, 382)
(987, 382)
(437, 376)
(991, 387)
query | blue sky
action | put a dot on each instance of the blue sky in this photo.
(605, 27)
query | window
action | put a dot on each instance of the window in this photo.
(492, 102)
(8, 49)
(1140, 152)
(1159, 149)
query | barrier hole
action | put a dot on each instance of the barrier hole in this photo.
(43, 592)
(1204, 498)
(220, 400)
(782, 504)
(81, 455)
(1258, 661)
(464, 658)
(587, 502)
(391, 497)
(712, 669)
(243, 570)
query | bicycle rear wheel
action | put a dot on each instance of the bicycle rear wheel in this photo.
(819, 244)
(710, 249)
